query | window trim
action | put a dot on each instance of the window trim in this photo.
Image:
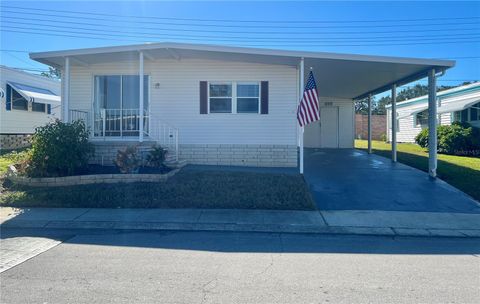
(29, 103)
(233, 101)
(419, 125)
(234, 96)
(44, 107)
(92, 104)
(259, 97)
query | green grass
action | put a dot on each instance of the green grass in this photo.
(10, 157)
(461, 172)
(187, 189)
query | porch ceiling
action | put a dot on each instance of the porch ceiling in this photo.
(337, 75)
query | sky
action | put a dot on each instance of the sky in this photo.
(427, 29)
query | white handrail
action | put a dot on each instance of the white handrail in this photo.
(122, 122)
(165, 135)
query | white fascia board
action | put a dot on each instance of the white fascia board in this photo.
(244, 50)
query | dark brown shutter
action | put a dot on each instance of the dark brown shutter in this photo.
(203, 98)
(264, 98)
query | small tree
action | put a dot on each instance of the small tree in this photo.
(59, 149)
(52, 73)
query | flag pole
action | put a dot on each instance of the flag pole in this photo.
(302, 129)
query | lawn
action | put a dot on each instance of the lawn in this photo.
(459, 171)
(187, 189)
(9, 157)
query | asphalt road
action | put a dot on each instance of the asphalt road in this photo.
(206, 267)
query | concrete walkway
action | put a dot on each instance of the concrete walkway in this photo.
(328, 222)
(349, 179)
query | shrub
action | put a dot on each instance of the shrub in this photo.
(458, 138)
(59, 149)
(156, 156)
(383, 137)
(127, 160)
(422, 138)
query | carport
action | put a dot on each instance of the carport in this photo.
(356, 77)
(349, 179)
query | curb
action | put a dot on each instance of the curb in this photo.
(233, 227)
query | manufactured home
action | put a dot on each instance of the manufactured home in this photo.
(458, 104)
(221, 105)
(27, 101)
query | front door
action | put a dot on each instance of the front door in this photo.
(329, 127)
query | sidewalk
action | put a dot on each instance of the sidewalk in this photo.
(387, 223)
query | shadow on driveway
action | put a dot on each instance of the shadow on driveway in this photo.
(349, 179)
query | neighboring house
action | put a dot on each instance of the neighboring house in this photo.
(27, 101)
(216, 104)
(457, 104)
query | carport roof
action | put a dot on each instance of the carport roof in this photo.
(337, 75)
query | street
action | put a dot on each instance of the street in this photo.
(220, 267)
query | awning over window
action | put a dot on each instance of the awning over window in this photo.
(404, 113)
(34, 94)
(458, 105)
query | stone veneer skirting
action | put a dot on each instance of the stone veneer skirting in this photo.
(240, 155)
(86, 179)
(14, 141)
(106, 152)
(254, 155)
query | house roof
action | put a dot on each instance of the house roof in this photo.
(442, 95)
(337, 75)
(19, 71)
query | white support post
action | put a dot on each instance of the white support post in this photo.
(302, 129)
(370, 124)
(394, 123)
(140, 74)
(432, 124)
(66, 90)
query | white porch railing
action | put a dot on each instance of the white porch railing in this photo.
(80, 115)
(120, 123)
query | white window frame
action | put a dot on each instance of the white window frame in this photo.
(29, 104)
(92, 104)
(419, 125)
(234, 91)
(234, 96)
(259, 95)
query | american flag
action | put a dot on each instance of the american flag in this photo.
(307, 110)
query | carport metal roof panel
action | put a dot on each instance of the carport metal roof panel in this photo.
(337, 75)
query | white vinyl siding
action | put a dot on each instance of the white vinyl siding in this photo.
(25, 122)
(408, 128)
(175, 100)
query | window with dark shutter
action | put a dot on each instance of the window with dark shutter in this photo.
(8, 99)
(264, 98)
(203, 97)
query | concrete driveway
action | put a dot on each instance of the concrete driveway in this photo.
(349, 179)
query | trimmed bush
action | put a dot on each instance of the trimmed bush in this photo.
(156, 157)
(457, 139)
(59, 149)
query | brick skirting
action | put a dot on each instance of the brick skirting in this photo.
(209, 154)
(240, 155)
